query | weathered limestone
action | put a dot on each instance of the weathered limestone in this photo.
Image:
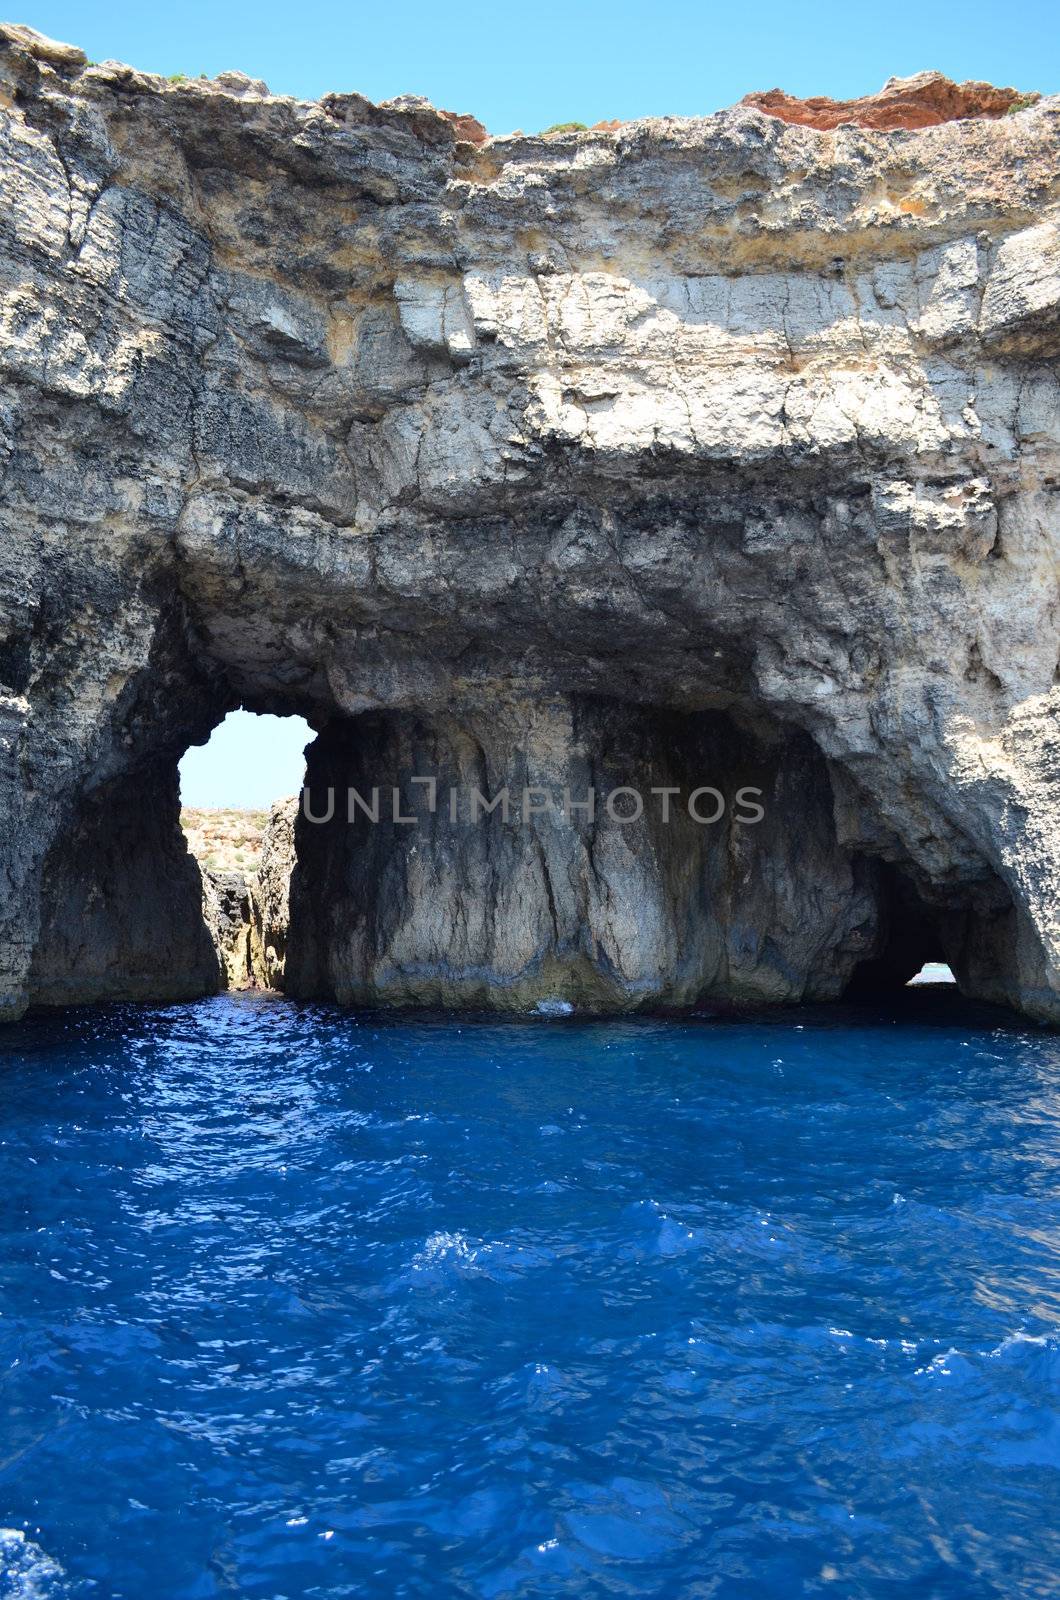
(545, 454)
(923, 101)
(120, 917)
(270, 894)
(228, 912)
(560, 901)
(246, 912)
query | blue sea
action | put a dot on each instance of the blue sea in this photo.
(304, 1304)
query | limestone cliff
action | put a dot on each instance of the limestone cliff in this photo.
(228, 912)
(720, 450)
(270, 895)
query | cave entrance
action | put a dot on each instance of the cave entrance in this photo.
(439, 902)
(931, 973)
(910, 951)
(238, 795)
(135, 906)
(445, 903)
(249, 761)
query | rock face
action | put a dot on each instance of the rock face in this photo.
(717, 452)
(923, 101)
(245, 903)
(119, 914)
(572, 905)
(270, 895)
(228, 912)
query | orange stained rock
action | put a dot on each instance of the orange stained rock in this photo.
(923, 101)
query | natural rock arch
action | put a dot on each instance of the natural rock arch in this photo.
(611, 452)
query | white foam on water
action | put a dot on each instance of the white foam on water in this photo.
(553, 1008)
(26, 1572)
(444, 1247)
(1012, 1341)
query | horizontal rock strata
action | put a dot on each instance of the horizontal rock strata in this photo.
(723, 442)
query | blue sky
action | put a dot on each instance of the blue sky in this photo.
(525, 66)
(249, 761)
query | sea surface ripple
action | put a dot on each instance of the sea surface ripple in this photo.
(298, 1304)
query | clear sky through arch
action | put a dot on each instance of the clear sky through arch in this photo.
(249, 761)
(518, 66)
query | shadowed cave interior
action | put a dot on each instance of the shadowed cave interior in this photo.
(453, 911)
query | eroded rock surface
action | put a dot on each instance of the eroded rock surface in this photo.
(573, 904)
(228, 912)
(270, 894)
(246, 908)
(120, 912)
(558, 455)
(922, 101)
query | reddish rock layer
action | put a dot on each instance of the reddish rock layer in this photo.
(920, 102)
(466, 127)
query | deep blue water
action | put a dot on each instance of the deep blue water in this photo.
(300, 1304)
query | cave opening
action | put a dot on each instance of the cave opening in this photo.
(152, 889)
(931, 973)
(250, 760)
(239, 792)
(421, 904)
(909, 942)
(194, 868)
